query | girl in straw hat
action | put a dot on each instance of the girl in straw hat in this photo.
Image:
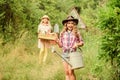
(43, 28)
(69, 40)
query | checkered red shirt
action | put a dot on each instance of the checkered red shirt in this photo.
(67, 39)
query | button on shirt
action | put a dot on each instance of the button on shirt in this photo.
(68, 39)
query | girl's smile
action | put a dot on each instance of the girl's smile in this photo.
(70, 25)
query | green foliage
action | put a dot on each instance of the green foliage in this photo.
(18, 23)
(16, 17)
(24, 15)
(109, 22)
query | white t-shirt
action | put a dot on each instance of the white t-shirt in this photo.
(42, 29)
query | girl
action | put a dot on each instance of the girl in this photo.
(69, 40)
(43, 28)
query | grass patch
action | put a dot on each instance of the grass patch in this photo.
(20, 61)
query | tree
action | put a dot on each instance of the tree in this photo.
(17, 16)
(109, 22)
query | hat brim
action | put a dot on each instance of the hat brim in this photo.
(45, 18)
(74, 20)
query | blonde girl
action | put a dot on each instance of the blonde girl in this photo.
(69, 40)
(43, 28)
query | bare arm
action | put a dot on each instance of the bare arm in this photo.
(58, 42)
(79, 42)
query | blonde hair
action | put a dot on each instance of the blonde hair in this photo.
(41, 22)
(74, 31)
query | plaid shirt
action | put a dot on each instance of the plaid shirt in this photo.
(68, 40)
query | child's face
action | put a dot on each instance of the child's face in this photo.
(70, 25)
(45, 21)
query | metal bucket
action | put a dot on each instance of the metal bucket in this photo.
(76, 60)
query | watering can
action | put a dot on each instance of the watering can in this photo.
(76, 59)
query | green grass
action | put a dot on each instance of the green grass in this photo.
(20, 61)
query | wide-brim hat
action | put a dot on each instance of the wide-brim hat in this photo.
(45, 16)
(70, 18)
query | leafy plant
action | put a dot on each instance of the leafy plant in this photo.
(109, 22)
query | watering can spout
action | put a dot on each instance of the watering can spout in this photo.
(54, 51)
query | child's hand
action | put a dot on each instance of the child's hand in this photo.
(56, 36)
(56, 39)
(75, 45)
(78, 45)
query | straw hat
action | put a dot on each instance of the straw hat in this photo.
(45, 16)
(70, 18)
